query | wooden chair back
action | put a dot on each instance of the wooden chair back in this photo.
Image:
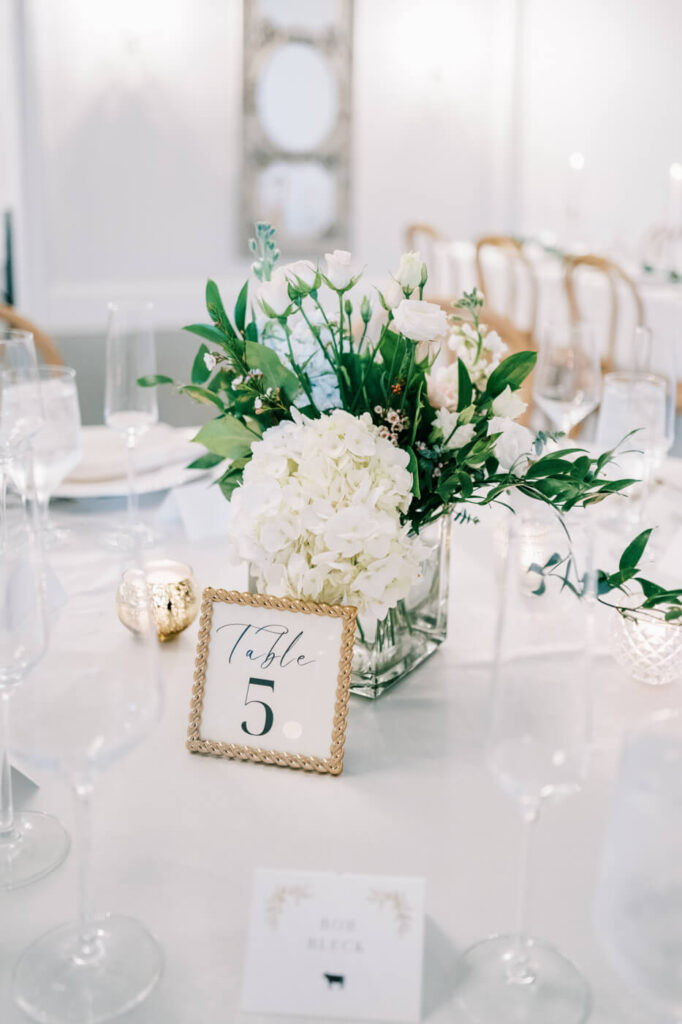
(615, 276)
(517, 266)
(45, 346)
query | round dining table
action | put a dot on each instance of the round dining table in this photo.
(178, 836)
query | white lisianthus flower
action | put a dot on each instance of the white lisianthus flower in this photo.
(376, 324)
(273, 295)
(514, 442)
(420, 321)
(442, 386)
(393, 294)
(319, 513)
(210, 361)
(340, 268)
(454, 437)
(302, 271)
(409, 272)
(509, 403)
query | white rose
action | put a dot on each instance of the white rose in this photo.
(409, 273)
(442, 386)
(275, 293)
(302, 270)
(340, 268)
(514, 441)
(454, 437)
(509, 404)
(420, 321)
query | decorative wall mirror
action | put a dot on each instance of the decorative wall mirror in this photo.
(297, 113)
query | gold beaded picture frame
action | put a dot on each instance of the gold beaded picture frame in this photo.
(274, 667)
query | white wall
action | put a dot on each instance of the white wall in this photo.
(11, 106)
(601, 77)
(136, 133)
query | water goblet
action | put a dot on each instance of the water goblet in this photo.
(537, 751)
(31, 843)
(638, 898)
(128, 408)
(17, 352)
(566, 383)
(96, 699)
(55, 449)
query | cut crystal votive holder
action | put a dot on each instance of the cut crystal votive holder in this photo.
(648, 648)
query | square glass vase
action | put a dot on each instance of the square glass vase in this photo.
(388, 650)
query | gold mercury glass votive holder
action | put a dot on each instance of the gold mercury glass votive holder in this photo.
(648, 648)
(171, 597)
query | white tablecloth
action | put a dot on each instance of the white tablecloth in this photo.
(178, 836)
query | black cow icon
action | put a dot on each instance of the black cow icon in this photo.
(335, 979)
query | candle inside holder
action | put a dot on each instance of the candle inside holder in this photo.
(649, 649)
(171, 597)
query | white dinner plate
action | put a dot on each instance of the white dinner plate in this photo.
(162, 463)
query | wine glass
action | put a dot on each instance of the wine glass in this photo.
(638, 899)
(95, 698)
(31, 843)
(17, 352)
(567, 377)
(635, 401)
(56, 447)
(129, 409)
(656, 354)
(537, 751)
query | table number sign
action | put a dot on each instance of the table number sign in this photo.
(333, 945)
(272, 680)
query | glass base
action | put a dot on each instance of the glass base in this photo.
(38, 844)
(58, 981)
(518, 980)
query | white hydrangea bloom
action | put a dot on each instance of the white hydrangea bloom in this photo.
(318, 514)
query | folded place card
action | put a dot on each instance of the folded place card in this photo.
(335, 945)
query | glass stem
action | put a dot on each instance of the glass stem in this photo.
(132, 493)
(87, 934)
(4, 470)
(519, 969)
(6, 800)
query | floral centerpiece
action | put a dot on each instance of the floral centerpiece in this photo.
(349, 446)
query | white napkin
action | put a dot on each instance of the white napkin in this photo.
(104, 452)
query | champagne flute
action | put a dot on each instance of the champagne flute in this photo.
(566, 383)
(31, 843)
(638, 899)
(56, 447)
(129, 409)
(635, 401)
(96, 698)
(537, 750)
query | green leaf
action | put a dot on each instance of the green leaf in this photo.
(512, 371)
(251, 332)
(232, 477)
(465, 389)
(413, 467)
(275, 374)
(202, 395)
(634, 550)
(674, 613)
(216, 310)
(200, 371)
(547, 466)
(206, 461)
(240, 308)
(152, 379)
(226, 436)
(210, 333)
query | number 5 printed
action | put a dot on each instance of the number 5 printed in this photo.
(269, 716)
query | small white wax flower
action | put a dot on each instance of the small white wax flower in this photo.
(509, 404)
(409, 272)
(210, 361)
